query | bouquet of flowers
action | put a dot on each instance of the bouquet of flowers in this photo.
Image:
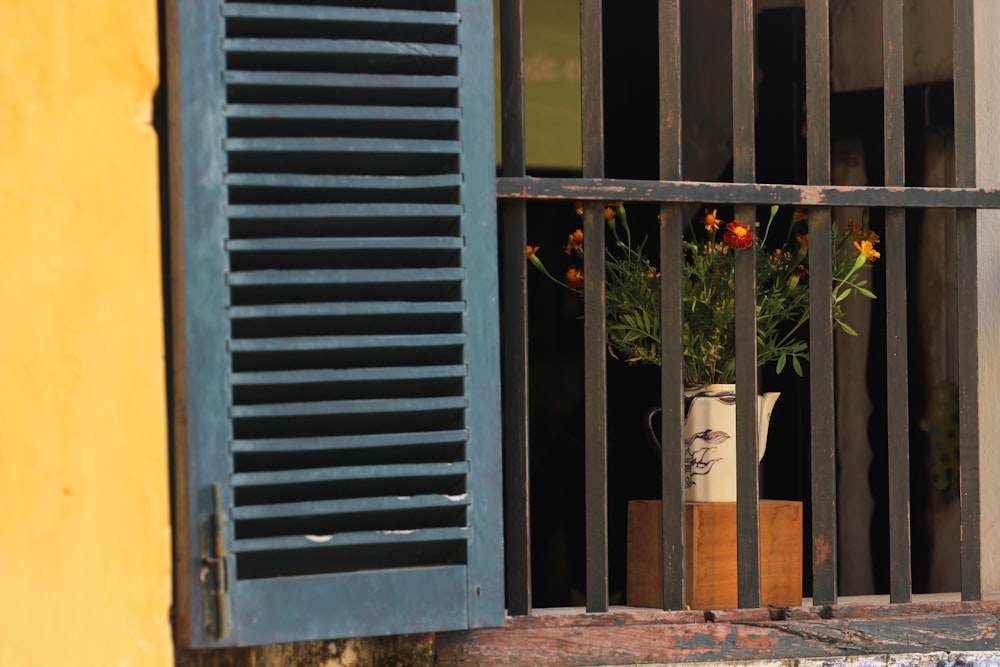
(708, 290)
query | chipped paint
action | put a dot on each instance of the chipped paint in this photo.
(603, 189)
(821, 551)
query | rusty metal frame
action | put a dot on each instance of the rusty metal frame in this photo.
(515, 186)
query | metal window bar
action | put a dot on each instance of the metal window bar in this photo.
(672, 322)
(593, 189)
(517, 527)
(595, 438)
(744, 170)
(823, 443)
(897, 407)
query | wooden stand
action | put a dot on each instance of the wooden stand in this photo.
(710, 554)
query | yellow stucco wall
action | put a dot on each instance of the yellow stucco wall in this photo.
(84, 523)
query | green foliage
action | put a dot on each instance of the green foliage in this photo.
(708, 293)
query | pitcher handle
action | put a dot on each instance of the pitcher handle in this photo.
(650, 432)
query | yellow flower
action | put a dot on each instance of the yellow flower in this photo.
(532, 249)
(867, 249)
(711, 221)
(575, 242)
(650, 274)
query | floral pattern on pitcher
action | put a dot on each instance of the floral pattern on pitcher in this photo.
(701, 449)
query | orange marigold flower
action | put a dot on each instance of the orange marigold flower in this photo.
(861, 234)
(574, 277)
(575, 242)
(803, 240)
(867, 249)
(738, 235)
(610, 208)
(711, 222)
(801, 213)
(532, 249)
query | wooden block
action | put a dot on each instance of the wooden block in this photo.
(710, 554)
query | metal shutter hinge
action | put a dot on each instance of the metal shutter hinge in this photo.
(214, 573)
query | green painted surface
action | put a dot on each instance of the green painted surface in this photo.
(552, 82)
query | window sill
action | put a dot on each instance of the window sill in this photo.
(866, 625)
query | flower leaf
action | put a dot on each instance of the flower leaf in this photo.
(847, 328)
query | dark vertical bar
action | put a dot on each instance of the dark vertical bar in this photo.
(968, 311)
(747, 510)
(671, 321)
(821, 389)
(517, 519)
(596, 482)
(895, 308)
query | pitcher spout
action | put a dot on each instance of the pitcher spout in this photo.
(765, 405)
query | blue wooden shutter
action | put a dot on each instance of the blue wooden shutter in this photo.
(336, 338)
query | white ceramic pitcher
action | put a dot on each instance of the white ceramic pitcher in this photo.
(710, 441)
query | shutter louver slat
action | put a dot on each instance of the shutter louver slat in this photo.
(332, 112)
(350, 506)
(349, 473)
(338, 443)
(339, 14)
(347, 375)
(343, 145)
(355, 212)
(345, 276)
(340, 46)
(401, 83)
(356, 308)
(343, 343)
(349, 182)
(386, 537)
(332, 408)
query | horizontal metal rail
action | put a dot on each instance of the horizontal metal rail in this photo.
(700, 192)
